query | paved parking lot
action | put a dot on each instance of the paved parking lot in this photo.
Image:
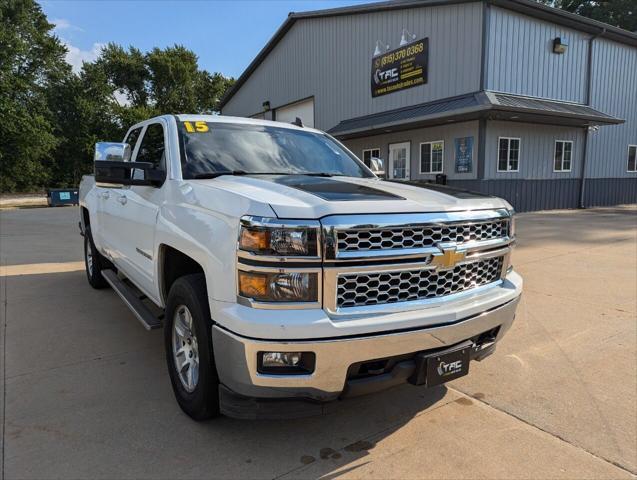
(85, 392)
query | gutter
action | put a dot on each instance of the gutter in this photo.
(589, 81)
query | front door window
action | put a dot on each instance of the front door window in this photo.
(399, 160)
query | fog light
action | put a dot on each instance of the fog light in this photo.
(281, 359)
(286, 363)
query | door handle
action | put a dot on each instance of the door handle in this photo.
(122, 199)
(106, 195)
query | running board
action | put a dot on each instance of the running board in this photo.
(132, 301)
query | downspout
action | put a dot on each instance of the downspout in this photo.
(482, 122)
(589, 68)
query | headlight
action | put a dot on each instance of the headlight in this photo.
(279, 286)
(273, 238)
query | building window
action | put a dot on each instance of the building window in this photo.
(432, 156)
(508, 154)
(632, 158)
(370, 153)
(563, 156)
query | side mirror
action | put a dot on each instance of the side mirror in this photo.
(113, 166)
(112, 152)
(377, 165)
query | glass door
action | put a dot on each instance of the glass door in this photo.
(399, 159)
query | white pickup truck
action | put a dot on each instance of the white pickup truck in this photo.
(284, 272)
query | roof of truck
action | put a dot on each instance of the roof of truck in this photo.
(185, 117)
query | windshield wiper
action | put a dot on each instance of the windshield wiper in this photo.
(207, 175)
(323, 174)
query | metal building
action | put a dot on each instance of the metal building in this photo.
(507, 97)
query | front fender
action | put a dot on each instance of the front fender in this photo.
(204, 225)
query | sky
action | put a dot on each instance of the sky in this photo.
(226, 35)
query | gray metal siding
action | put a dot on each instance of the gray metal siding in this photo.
(430, 134)
(530, 195)
(610, 191)
(330, 59)
(537, 149)
(520, 58)
(614, 91)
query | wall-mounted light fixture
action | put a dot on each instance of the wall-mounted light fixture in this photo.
(380, 48)
(407, 37)
(560, 44)
(266, 105)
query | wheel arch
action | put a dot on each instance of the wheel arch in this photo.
(173, 264)
(85, 217)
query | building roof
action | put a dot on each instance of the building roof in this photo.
(484, 104)
(527, 7)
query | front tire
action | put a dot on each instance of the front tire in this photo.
(188, 343)
(94, 262)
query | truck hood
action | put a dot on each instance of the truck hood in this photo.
(310, 197)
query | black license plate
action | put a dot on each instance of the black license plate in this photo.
(448, 365)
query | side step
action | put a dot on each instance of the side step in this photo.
(132, 301)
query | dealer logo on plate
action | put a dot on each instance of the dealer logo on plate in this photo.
(445, 369)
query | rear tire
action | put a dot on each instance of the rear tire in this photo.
(188, 343)
(94, 262)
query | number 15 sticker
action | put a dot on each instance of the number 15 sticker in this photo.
(196, 127)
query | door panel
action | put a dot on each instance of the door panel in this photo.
(399, 160)
(109, 210)
(137, 208)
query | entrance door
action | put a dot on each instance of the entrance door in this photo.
(399, 159)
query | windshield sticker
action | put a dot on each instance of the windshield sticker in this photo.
(196, 127)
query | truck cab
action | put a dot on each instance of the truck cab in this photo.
(284, 273)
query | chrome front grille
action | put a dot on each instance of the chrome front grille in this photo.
(367, 289)
(419, 236)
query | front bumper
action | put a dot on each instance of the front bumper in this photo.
(236, 357)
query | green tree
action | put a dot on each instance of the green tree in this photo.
(163, 80)
(85, 112)
(51, 117)
(619, 13)
(119, 89)
(31, 62)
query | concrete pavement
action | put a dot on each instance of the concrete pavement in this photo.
(86, 394)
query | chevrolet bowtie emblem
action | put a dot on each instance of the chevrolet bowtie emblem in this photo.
(448, 257)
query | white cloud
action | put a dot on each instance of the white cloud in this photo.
(75, 56)
(64, 24)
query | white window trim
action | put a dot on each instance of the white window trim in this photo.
(562, 160)
(497, 164)
(628, 157)
(370, 150)
(420, 157)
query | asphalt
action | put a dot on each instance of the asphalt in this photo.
(85, 392)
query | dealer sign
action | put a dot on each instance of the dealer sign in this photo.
(402, 68)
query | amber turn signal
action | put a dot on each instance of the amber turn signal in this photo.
(279, 286)
(253, 285)
(254, 240)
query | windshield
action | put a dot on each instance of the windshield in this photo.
(209, 147)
